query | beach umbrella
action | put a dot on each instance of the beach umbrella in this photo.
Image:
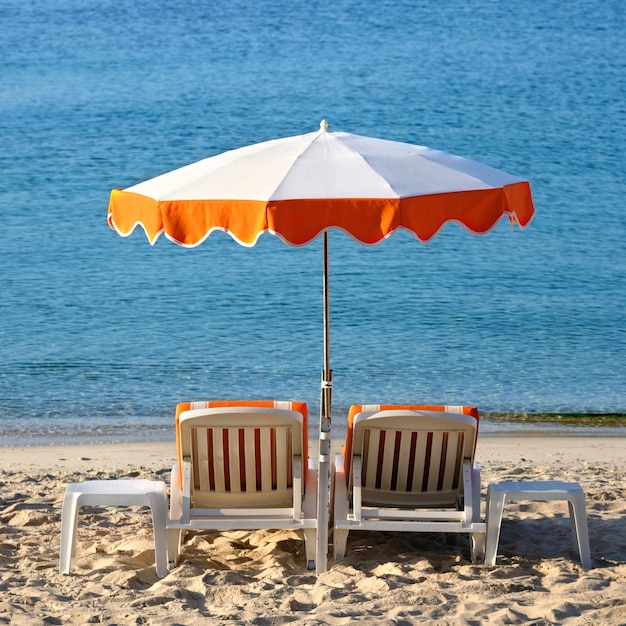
(298, 188)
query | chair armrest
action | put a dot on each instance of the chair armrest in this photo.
(356, 486)
(297, 487)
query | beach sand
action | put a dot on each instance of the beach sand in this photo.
(261, 578)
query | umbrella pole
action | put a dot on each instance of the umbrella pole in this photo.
(323, 489)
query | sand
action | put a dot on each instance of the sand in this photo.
(260, 577)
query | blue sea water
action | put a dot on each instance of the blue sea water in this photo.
(101, 336)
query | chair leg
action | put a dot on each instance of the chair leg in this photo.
(580, 531)
(310, 546)
(495, 506)
(573, 526)
(175, 539)
(159, 521)
(341, 506)
(340, 541)
(477, 547)
(69, 527)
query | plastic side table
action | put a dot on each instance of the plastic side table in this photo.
(118, 493)
(540, 491)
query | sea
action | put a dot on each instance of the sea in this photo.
(101, 336)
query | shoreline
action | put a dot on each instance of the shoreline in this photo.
(38, 434)
(160, 455)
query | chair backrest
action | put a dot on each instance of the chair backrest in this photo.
(241, 452)
(410, 450)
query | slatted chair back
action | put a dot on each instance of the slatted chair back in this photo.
(411, 456)
(242, 456)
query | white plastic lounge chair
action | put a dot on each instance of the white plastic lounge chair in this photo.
(242, 465)
(408, 468)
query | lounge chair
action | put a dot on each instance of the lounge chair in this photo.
(408, 468)
(242, 465)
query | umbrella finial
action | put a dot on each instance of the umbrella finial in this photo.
(323, 126)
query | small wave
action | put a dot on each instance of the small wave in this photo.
(58, 433)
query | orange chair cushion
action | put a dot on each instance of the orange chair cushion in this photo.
(355, 409)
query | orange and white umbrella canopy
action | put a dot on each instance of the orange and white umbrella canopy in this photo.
(298, 187)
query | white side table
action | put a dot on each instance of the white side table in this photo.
(540, 491)
(118, 493)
